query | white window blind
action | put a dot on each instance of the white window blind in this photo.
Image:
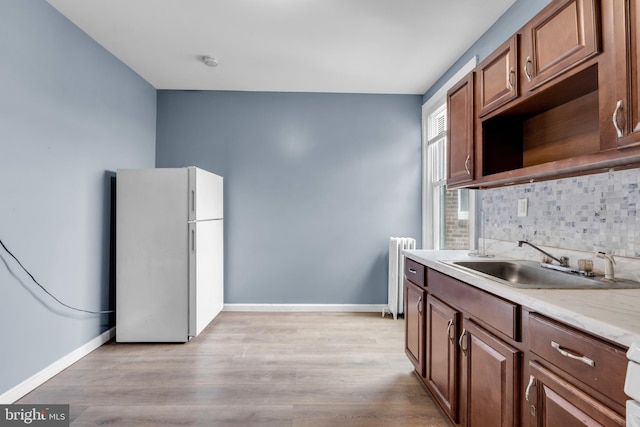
(438, 123)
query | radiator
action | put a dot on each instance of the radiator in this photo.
(395, 300)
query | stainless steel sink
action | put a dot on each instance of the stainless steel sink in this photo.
(529, 274)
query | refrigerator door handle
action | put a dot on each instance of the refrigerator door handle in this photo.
(193, 201)
(193, 240)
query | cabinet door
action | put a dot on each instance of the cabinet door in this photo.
(498, 77)
(460, 130)
(490, 373)
(414, 302)
(442, 355)
(626, 112)
(553, 402)
(562, 36)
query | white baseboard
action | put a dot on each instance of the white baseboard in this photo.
(55, 368)
(358, 308)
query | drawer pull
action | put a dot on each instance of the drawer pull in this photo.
(565, 353)
(412, 271)
(527, 396)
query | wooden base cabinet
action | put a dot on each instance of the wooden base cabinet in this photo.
(442, 355)
(414, 302)
(574, 378)
(488, 361)
(554, 402)
(490, 379)
(415, 296)
(472, 373)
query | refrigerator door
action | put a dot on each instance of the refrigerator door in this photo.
(205, 195)
(206, 276)
(152, 263)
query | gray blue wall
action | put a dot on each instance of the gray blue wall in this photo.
(315, 184)
(507, 25)
(69, 112)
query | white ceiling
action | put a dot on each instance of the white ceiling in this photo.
(349, 46)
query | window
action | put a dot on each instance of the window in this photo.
(448, 215)
(463, 204)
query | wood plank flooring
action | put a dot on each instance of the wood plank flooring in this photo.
(253, 369)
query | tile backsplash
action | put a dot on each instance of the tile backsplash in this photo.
(587, 213)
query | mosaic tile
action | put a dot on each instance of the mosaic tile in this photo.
(587, 213)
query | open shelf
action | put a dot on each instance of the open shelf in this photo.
(560, 123)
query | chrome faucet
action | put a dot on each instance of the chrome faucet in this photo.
(563, 261)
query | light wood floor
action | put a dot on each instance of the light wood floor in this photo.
(253, 369)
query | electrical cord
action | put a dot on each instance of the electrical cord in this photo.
(49, 293)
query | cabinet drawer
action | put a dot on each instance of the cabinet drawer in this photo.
(414, 271)
(496, 313)
(587, 359)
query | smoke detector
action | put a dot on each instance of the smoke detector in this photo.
(210, 61)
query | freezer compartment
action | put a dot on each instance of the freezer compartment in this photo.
(205, 195)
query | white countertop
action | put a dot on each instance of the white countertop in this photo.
(613, 314)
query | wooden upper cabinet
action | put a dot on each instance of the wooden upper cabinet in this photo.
(625, 105)
(559, 98)
(498, 77)
(565, 34)
(460, 130)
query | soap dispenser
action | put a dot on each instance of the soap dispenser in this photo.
(608, 264)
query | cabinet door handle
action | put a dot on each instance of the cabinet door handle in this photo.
(449, 325)
(419, 305)
(565, 353)
(512, 72)
(527, 395)
(619, 106)
(464, 350)
(526, 68)
(466, 164)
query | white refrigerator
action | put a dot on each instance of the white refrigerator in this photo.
(169, 253)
